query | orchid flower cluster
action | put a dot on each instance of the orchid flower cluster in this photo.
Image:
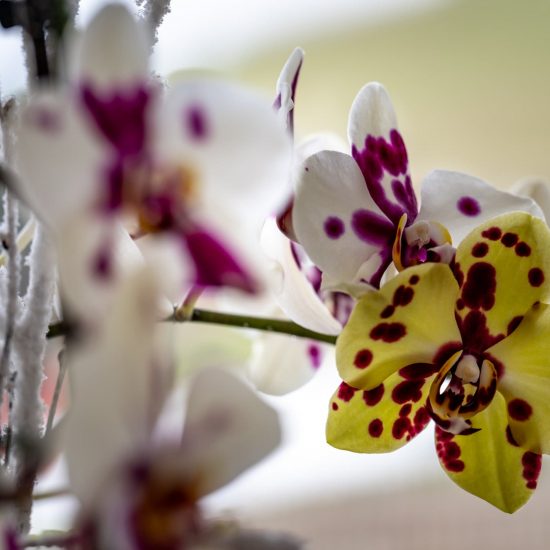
(146, 198)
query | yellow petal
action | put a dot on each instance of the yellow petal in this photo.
(489, 463)
(384, 418)
(409, 320)
(525, 378)
(504, 265)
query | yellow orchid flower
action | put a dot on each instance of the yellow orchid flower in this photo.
(467, 345)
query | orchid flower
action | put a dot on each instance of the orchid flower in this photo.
(355, 214)
(187, 163)
(139, 487)
(466, 346)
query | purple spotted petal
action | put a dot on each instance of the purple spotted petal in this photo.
(380, 152)
(215, 265)
(462, 202)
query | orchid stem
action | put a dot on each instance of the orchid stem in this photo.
(228, 319)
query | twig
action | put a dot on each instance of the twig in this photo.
(228, 319)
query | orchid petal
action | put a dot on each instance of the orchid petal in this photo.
(504, 268)
(293, 292)
(113, 368)
(286, 86)
(227, 430)
(384, 418)
(525, 378)
(489, 463)
(537, 189)
(114, 51)
(463, 202)
(406, 322)
(230, 142)
(380, 152)
(337, 222)
(94, 255)
(281, 364)
(58, 160)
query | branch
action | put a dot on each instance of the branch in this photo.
(228, 319)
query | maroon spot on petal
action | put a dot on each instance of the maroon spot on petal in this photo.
(403, 296)
(335, 406)
(405, 410)
(315, 355)
(418, 371)
(480, 250)
(510, 437)
(522, 249)
(452, 450)
(536, 276)
(414, 279)
(509, 239)
(532, 464)
(196, 123)
(373, 397)
(468, 206)
(514, 324)
(493, 233)
(363, 358)
(376, 428)
(421, 419)
(409, 390)
(460, 304)
(346, 392)
(372, 228)
(457, 272)
(334, 227)
(475, 333)
(519, 409)
(306, 169)
(455, 466)
(388, 311)
(400, 427)
(480, 286)
(388, 332)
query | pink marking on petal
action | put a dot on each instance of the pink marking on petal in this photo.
(196, 123)
(468, 206)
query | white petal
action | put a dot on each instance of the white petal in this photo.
(227, 429)
(286, 84)
(371, 113)
(58, 161)
(380, 152)
(111, 377)
(462, 202)
(537, 189)
(294, 293)
(232, 141)
(80, 245)
(331, 199)
(114, 50)
(282, 364)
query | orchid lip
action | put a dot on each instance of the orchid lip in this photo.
(461, 389)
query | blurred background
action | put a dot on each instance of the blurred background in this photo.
(471, 87)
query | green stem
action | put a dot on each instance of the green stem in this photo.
(228, 319)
